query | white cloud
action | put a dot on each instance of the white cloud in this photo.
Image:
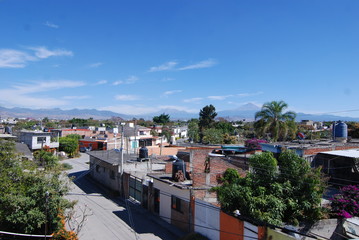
(119, 82)
(101, 82)
(171, 92)
(95, 65)
(51, 25)
(10, 58)
(126, 97)
(203, 64)
(193, 100)
(219, 97)
(43, 52)
(76, 97)
(129, 80)
(166, 66)
(249, 94)
(27, 95)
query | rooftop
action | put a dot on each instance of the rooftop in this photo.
(352, 153)
(305, 144)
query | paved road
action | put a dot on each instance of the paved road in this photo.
(110, 217)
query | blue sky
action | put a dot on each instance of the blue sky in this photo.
(141, 56)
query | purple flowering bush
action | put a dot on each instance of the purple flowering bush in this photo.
(254, 143)
(346, 203)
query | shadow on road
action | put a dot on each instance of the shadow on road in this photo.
(138, 218)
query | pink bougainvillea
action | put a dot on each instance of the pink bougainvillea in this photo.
(346, 203)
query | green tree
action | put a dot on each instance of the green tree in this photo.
(225, 127)
(207, 117)
(29, 198)
(193, 130)
(69, 145)
(161, 119)
(271, 119)
(276, 192)
(213, 136)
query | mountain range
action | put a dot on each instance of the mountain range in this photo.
(245, 112)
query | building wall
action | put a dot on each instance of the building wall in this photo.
(235, 228)
(207, 219)
(166, 191)
(231, 227)
(207, 170)
(101, 172)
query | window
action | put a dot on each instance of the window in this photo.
(97, 168)
(176, 203)
(41, 140)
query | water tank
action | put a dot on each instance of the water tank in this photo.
(179, 170)
(340, 131)
(8, 130)
(143, 152)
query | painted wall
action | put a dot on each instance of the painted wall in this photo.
(231, 227)
(165, 198)
(208, 216)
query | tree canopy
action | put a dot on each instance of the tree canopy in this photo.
(161, 119)
(272, 120)
(206, 118)
(29, 197)
(287, 190)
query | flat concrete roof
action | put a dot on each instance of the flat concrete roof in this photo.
(352, 153)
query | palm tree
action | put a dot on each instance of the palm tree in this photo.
(271, 119)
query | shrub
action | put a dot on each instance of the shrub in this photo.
(346, 203)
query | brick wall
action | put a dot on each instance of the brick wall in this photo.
(206, 170)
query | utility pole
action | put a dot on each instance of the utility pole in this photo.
(122, 132)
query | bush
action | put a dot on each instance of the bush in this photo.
(66, 166)
(346, 203)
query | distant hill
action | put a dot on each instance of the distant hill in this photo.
(58, 113)
(246, 112)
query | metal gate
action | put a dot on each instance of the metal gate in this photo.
(136, 188)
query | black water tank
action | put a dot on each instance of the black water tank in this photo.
(143, 152)
(178, 165)
(8, 130)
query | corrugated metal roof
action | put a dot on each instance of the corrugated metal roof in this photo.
(352, 153)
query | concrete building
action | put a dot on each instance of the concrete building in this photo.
(37, 140)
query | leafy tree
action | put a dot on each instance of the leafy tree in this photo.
(68, 145)
(193, 130)
(46, 159)
(162, 119)
(287, 190)
(206, 118)
(74, 136)
(271, 119)
(29, 198)
(212, 135)
(225, 127)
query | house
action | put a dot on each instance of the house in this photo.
(181, 195)
(180, 132)
(307, 149)
(37, 140)
(109, 169)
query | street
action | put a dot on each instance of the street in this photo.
(112, 218)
